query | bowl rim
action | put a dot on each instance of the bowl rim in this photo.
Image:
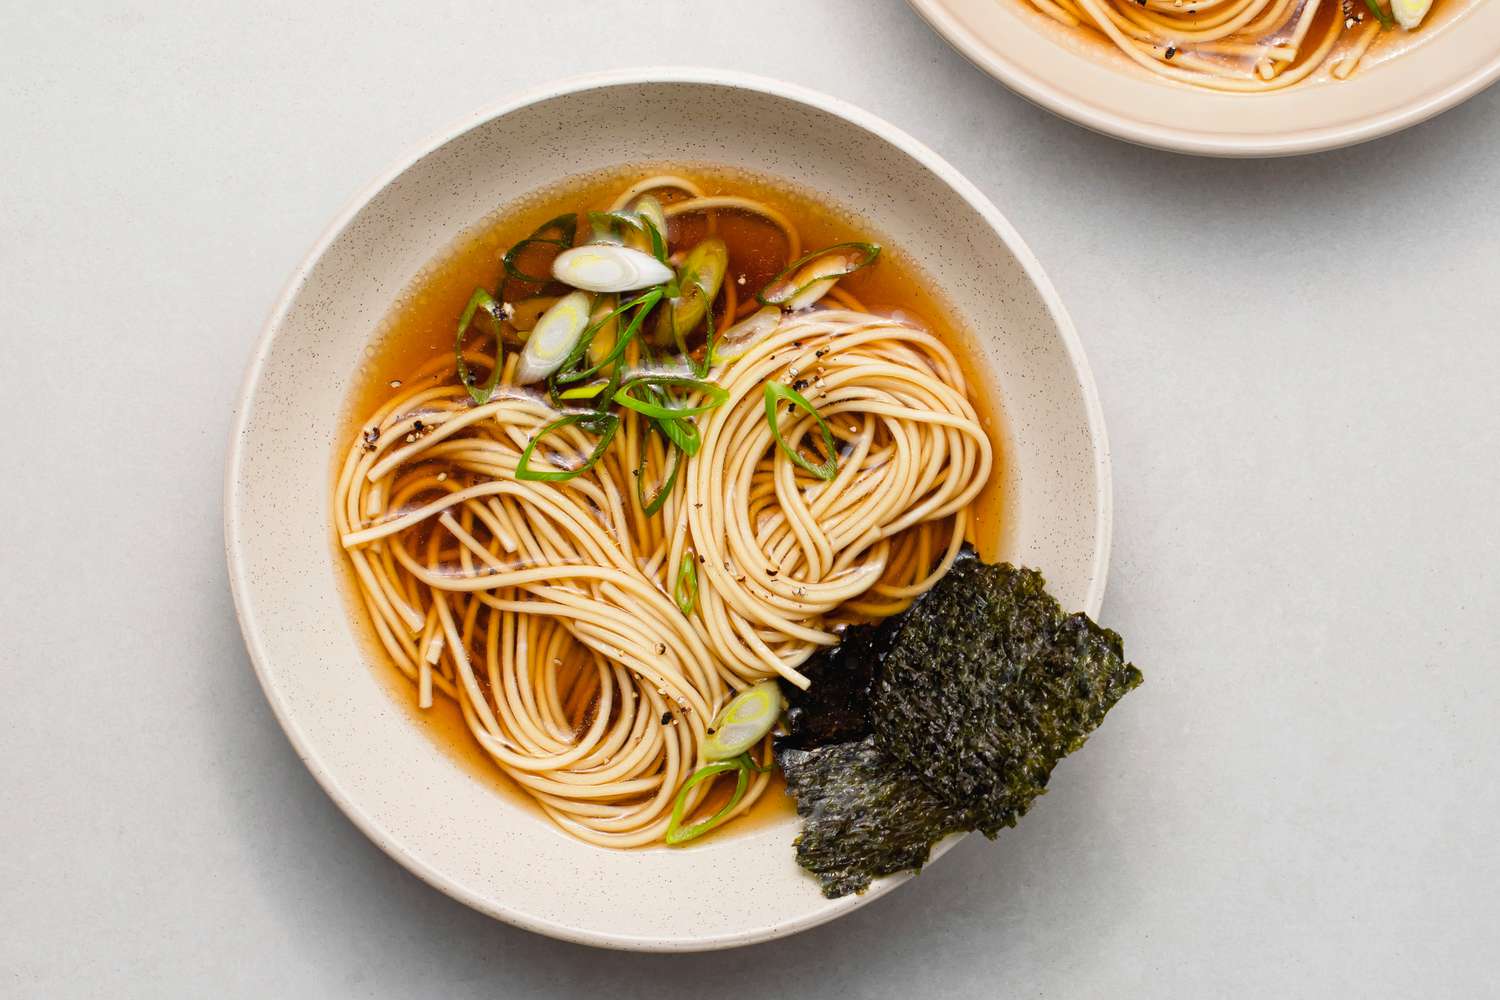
(1188, 140)
(240, 585)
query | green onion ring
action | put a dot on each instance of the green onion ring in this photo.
(567, 373)
(686, 591)
(676, 832)
(603, 424)
(772, 296)
(716, 396)
(640, 224)
(682, 432)
(678, 456)
(481, 299)
(775, 393)
(566, 227)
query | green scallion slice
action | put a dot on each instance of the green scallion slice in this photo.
(614, 221)
(784, 289)
(775, 393)
(481, 304)
(584, 391)
(676, 456)
(642, 305)
(698, 283)
(558, 232)
(682, 432)
(679, 834)
(602, 424)
(714, 396)
(686, 591)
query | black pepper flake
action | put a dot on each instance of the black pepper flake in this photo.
(1171, 51)
(820, 352)
(418, 426)
(372, 438)
(800, 384)
(666, 718)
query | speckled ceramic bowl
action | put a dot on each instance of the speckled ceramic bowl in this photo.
(428, 812)
(1071, 71)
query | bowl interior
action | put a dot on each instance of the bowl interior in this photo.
(428, 811)
(1073, 74)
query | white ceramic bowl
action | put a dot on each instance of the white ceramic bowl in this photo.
(1075, 75)
(430, 813)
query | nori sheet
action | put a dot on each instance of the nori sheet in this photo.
(1021, 685)
(863, 815)
(835, 707)
(948, 717)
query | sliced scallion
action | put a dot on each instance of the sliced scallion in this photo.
(602, 424)
(481, 304)
(745, 334)
(686, 591)
(682, 432)
(743, 722)
(558, 232)
(647, 235)
(642, 304)
(602, 267)
(807, 278)
(679, 834)
(588, 391)
(552, 340)
(650, 212)
(606, 326)
(698, 280)
(775, 393)
(714, 396)
(676, 456)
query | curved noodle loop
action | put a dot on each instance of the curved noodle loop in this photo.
(1246, 46)
(546, 609)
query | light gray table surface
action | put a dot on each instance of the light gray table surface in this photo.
(1298, 361)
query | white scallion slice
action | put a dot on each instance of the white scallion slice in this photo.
(606, 268)
(1409, 13)
(742, 723)
(649, 209)
(553, 337)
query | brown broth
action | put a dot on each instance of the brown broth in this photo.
(421, 328)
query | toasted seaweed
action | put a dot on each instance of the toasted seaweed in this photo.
(863, 815)
(988, 684)
(835, 707)
(948, 717)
